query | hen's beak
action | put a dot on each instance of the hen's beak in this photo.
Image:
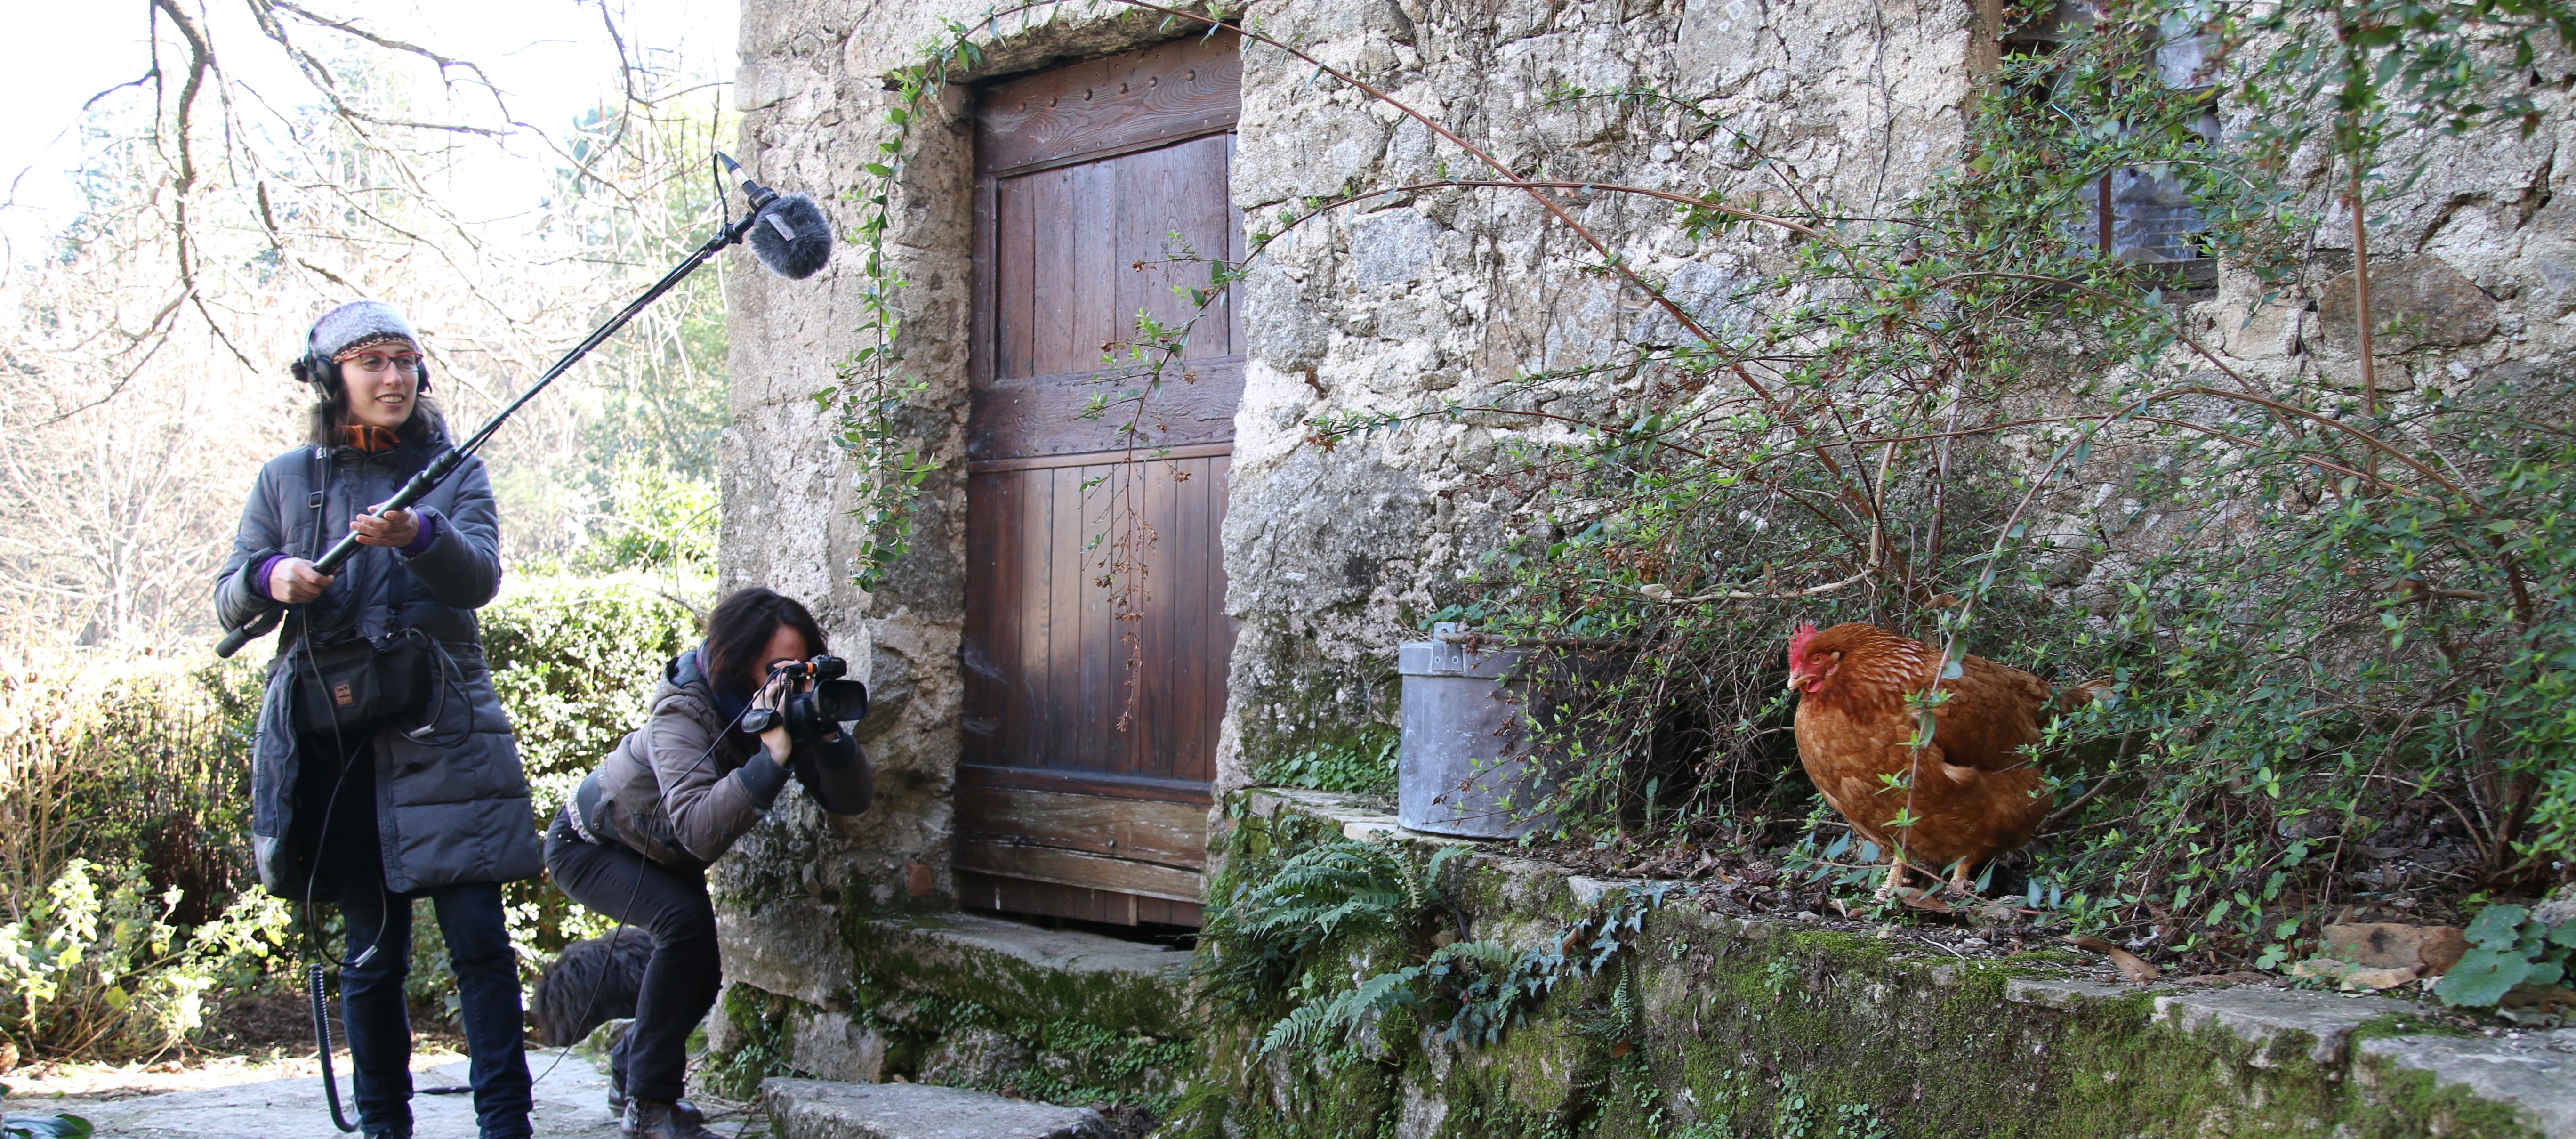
(1796, 678)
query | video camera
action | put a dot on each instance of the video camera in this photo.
(820, 710)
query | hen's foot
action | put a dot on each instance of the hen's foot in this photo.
(1895, 881)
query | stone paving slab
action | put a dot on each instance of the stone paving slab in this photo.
(572, 1103)
(2264, 1016)
(2534, 1071)
(816, 1109)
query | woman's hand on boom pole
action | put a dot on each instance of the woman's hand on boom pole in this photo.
(393, 529)
(295, 582)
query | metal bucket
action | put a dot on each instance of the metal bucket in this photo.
(1467, 765)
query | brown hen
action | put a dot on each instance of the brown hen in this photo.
(1974, 791)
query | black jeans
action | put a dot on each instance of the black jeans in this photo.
(680, 978)
(372, 1008)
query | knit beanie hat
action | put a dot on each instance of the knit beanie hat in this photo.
(360, 324)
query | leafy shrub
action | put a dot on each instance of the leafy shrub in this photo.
(141, 764)
(93, 966)
(2509, 946)
(1362, 762)
(658, 519)
(46, 1127)
(129, 760)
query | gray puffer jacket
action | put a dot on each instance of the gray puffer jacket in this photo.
(455, 809)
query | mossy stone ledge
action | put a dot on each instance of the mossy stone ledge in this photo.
(1776, 1027)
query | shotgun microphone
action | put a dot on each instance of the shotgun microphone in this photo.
(792, 238)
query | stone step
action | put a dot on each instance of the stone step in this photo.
(820, 1109)
(800, 949)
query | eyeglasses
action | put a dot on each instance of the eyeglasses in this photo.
(375, 363)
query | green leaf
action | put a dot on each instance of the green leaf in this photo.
(2482, 977)
(2497, 927)
(48, 1127)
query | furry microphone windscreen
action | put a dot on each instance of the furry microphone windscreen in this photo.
(792, 238)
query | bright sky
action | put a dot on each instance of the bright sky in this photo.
(549, 56)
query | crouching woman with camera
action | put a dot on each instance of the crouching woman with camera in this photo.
(733, 719)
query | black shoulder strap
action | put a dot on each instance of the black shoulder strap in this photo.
(321, 486)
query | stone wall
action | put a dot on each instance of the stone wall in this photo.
(1405, 300)
(1333, 555)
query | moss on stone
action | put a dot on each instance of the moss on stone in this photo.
(902, 953)
(759, 1023)
(1756, 1028)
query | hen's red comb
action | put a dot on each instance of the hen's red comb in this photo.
(1798, 639)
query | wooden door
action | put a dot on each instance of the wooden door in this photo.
(1083, 790)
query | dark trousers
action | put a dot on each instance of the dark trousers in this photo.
(378, 959)
(680, 978)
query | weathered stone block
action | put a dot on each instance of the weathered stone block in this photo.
(2390, 945)
(2533, 1072)
(1029, 973)
(835, 1046)
(792, 948)
(2415, 302)
(975, 1057)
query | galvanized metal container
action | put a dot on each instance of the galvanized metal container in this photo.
(1467, 765)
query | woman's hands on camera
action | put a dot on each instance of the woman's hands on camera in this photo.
(770, 696)
(295, 581)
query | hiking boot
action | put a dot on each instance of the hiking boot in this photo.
(681, 1110)
(648, 1119)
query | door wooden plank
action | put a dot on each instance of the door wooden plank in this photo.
(1190, 600)
(1235, 243)
(982, 654)
(979, 891)
(1176, 90)
(1111, 783)
(1060, 716)
(1022, 285)
(1014, 570)
(1164, 911)
(1073, 868)
(1150, 731)
(1139, 830)
(1218, 645)
(1103, 659)
(1040, 415)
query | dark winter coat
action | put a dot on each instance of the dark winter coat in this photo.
(446, 814)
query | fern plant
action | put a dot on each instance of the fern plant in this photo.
(1282, 915)
(1290, 888)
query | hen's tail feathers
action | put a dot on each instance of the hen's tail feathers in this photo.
(2078, 695)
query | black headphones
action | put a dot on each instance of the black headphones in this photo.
(322, 374)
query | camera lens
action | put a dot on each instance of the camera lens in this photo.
(840, 701)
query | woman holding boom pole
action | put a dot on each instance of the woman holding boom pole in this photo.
(384, 770)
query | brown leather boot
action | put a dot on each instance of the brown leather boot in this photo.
(681, 1109)
(651, 1119)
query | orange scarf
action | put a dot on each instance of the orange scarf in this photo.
(368, 438)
